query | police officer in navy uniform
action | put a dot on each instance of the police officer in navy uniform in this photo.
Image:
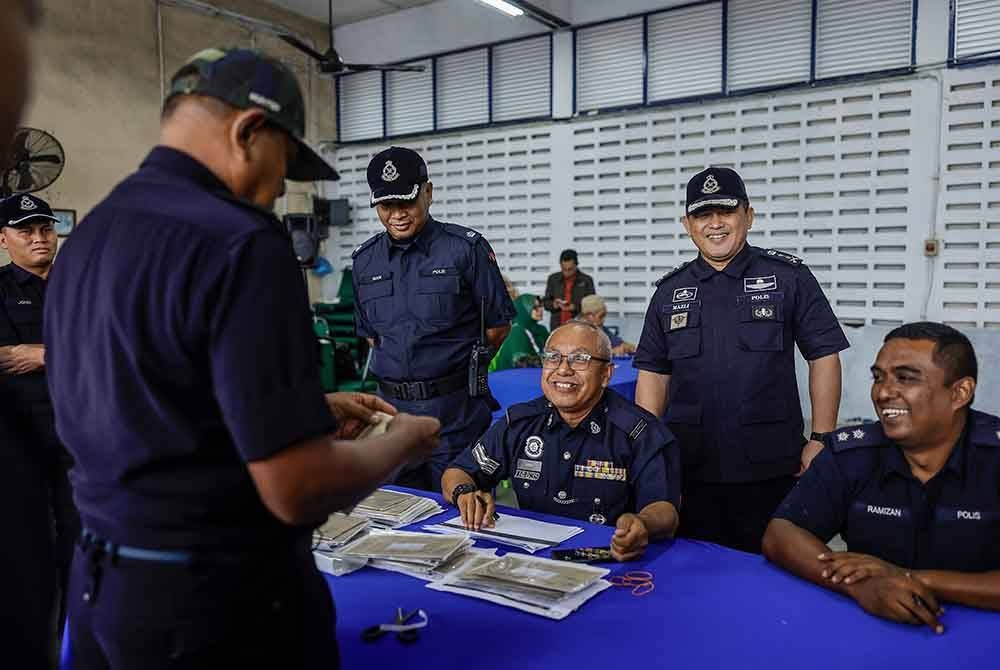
(581, 450)
(35, 492)
(915, 496)
(205, 451)
(420, 290)
(716, 354)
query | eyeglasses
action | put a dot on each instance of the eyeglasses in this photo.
(578, 361)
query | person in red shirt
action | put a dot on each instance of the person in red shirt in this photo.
(565, 289)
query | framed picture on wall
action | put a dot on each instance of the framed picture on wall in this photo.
(66, 223)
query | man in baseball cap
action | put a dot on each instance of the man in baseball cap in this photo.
(245, 79)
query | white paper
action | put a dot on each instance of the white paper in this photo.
(558, 612)
(528, 534)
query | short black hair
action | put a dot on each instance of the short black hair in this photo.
(953, 351)
(569, 255)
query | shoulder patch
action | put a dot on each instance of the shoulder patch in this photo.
(364, 245)
(672, 272)
(526, 410)
(467, 234)
(781, 256)
(984, 429)
(861, 435)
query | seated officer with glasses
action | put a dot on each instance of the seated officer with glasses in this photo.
(581, 451)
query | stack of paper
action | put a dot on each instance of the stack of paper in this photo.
(527, 534)
(391, 509)
(418, 551)
(553, 589)
(338, 530)
(459, 561)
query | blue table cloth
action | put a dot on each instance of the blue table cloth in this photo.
(522, 384)
(712, 608)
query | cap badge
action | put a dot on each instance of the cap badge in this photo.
(389, 172)
(710, 186)
(27, 204)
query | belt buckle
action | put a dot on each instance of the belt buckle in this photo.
(419, 390)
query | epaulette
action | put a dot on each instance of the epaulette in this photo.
(367, 243)
(861, 435)
(782, 256)
(467, 234)
(627, 416)
(984, 429)
(672, 272)
(526, 410)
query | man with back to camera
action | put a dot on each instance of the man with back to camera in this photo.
(421, 287)
(716, 353)
(205, 449)
(581, 450)
(915, 496)
(565, 289)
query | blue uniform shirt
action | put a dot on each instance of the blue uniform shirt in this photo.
(180, 347)
(620, 455)
(420, 301)
(23, 298)
(726, 339)
(861, 486)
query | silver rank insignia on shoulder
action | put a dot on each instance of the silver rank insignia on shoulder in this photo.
(533, 447)
(678, 320)
(389, 172)
(711, 185)
(595, 427)
(843, 436)
(859, 434)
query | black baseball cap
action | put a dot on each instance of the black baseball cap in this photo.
(396, 173)
(716, 186)
(22, 209)
(244, 78)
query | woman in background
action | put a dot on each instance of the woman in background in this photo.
(527, 337)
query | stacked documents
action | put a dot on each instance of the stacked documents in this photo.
(527, 534)
(392, 509)
(456, 563)
(552, 589)
(417, 551)
(338, 530)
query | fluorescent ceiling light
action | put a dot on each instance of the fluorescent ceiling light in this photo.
(505, 7)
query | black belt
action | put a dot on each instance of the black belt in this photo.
(424, 390)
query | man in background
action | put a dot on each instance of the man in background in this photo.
(594, 310)
(565, 289)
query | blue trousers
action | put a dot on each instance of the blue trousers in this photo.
(463, 421)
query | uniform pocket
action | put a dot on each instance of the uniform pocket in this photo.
(761, 326)
(437, 294)
(683, 329)
(375, 296)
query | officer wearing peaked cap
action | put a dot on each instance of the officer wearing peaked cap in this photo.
(420, 288)
(915, 496)
(581, 450)
(716, 359)
(204, 447)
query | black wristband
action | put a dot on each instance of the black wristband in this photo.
(461, 490)
(818, 437)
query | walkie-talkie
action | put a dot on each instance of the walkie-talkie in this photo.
(479, 361)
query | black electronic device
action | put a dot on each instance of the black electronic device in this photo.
(583, 555)
(305, 240)
(333, 212)
(479, 361)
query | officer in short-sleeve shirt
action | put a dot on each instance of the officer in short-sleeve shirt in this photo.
(420, 288)
(717, 355)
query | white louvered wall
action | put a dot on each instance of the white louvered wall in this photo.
(609, 64)
(977, 28)
(409, 101)
(769, 43)
(463, 89)
(685, 52)
(855, 36)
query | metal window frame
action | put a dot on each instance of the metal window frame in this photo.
(433, 58)
(987, 58)
(813, 81)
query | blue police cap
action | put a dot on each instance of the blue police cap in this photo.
(22, 209)
(396, 174)
(716, 186)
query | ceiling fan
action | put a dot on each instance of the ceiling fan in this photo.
(331, 62)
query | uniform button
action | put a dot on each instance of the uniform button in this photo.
(526, 484)
(567, 455)
(561, 495)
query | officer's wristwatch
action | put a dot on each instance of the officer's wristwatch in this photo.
(461, 490)
(818, 437)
